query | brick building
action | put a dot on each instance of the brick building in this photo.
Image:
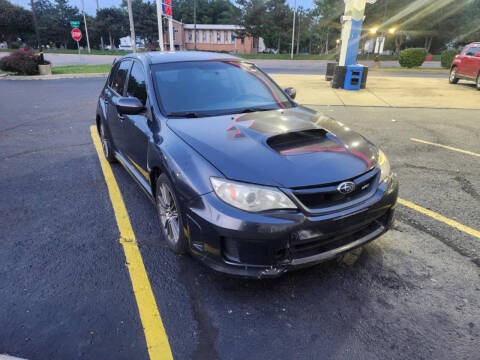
(211, 38)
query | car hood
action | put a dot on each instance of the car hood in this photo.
(294, 147)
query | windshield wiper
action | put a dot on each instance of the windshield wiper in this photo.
(252, 109)
(186, 114)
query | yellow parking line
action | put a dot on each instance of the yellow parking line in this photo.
(441, 218)
(155, 336)
(446, 147)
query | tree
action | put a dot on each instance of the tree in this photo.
(279, 18)
(15, 22)
(112, 21)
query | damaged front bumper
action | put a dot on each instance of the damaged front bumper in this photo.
(269, 244)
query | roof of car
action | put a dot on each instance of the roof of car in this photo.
(157, 57)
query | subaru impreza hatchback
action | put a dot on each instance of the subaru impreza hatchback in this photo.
(243, 178)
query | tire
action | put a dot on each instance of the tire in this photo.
(170, 215)
(452, 79)
(106, 145)
(478, 81)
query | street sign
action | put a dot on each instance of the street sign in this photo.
(167, 7)
(75, 24)
(76, 34)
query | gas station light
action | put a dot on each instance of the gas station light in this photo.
(373, 30)
(338, 41)
(392, 30)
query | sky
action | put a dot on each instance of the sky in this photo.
(91, 5)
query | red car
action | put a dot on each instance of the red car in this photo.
(466, 66)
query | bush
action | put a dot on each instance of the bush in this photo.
(447, 58)
(411, 58)
(15, 45)
(23, 62)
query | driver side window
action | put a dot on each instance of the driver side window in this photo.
(137, 86)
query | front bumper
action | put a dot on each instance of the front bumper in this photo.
(269, 244)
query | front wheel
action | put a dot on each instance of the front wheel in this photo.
(170, 216)
(453, 76)
(478, 81)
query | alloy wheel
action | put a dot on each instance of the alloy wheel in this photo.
(168, 214)
(453, 74)
(104, 141)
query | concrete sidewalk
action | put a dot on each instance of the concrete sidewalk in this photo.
(385, 91)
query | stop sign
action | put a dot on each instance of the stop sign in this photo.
(76, 34)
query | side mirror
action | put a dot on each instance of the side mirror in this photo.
(129, 105)
(290, 91)
(477, 54)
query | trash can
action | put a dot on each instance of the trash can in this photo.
(353, 77)
(330, 70)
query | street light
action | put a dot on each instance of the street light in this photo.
(338, 41)
(373, 30)
(392, 31)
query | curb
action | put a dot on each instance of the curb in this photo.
(53, 77)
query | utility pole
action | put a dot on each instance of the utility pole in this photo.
(35, 24)
(101, 37)
(132, 27)
(85, 23)
(195, 24)
(293, 29)
(160, 28)
(170, 33)
(298, 31)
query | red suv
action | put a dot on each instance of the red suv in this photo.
(466, 66)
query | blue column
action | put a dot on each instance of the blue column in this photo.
(353, 42)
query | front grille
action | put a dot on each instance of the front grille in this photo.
(328, 198)
(310, 248)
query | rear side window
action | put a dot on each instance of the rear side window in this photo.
(136, 83)
(112, 73)
(120, 76)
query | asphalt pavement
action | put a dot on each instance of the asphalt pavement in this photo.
(66, 293)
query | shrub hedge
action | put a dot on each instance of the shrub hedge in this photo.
(21, 62)
(411, 58)
(447, 58)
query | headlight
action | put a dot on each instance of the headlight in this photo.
(253, 198)
(384, 166)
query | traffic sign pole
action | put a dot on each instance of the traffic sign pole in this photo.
(78, 46)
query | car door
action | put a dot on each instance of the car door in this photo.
(137, 127)
(469, 62)
(475, 62)
(115, 90)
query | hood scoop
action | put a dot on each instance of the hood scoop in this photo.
(304, 142)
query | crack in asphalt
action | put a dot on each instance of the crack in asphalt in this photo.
(208, 333)
(404, 217)
(446, 171)
(467, 187)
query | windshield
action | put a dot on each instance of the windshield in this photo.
(207, 88)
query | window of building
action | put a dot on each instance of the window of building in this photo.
(219, 38)
(196, 35)
(233, 37)
(225, 37)
(211, 36)
(136, 83)
(204, 39)
(174, 34)
(190, 36)
(243, 41)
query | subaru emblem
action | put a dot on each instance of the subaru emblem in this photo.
(346, 187)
